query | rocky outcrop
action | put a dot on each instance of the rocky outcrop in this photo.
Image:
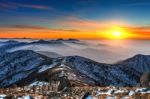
(145, 79)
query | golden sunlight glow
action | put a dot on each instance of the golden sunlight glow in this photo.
(116, 32)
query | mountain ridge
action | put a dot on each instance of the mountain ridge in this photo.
(22, 68)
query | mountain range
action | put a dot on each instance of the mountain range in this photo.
(24, 67)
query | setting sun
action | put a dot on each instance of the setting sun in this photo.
(116, 32)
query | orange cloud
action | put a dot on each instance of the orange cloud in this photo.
(29, 31)
(41, 32)
(141, 32)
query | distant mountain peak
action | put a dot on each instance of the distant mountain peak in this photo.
(141, 55)
(70, 39)
(139, 62)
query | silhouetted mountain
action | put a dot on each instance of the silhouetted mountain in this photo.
(46, 42)
(57, 41)
(70, 40)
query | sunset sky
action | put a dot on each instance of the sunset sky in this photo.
(83, 19)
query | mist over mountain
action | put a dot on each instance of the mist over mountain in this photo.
(23, 63)
(97, 50)
(18, 68)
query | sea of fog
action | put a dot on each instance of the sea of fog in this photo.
(104, 51)
(111, 51)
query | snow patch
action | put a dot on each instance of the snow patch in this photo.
(27, 97)
(131, 93)
(2, 96)
(46, 67)
(119, 91)
(38, 83)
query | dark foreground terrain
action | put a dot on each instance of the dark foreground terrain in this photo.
(45, 92)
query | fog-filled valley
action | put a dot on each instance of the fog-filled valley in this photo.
(105, 51)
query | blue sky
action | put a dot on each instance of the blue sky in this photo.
(70, 14)
(29, 11)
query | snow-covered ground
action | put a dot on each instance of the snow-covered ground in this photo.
(2, 96)
(46, 67)
(129, 92)
(38, 83)
(109, 93)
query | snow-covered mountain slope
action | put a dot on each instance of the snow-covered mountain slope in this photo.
(25, 66)
(19, 65)
(104, 74)
(138, 62)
